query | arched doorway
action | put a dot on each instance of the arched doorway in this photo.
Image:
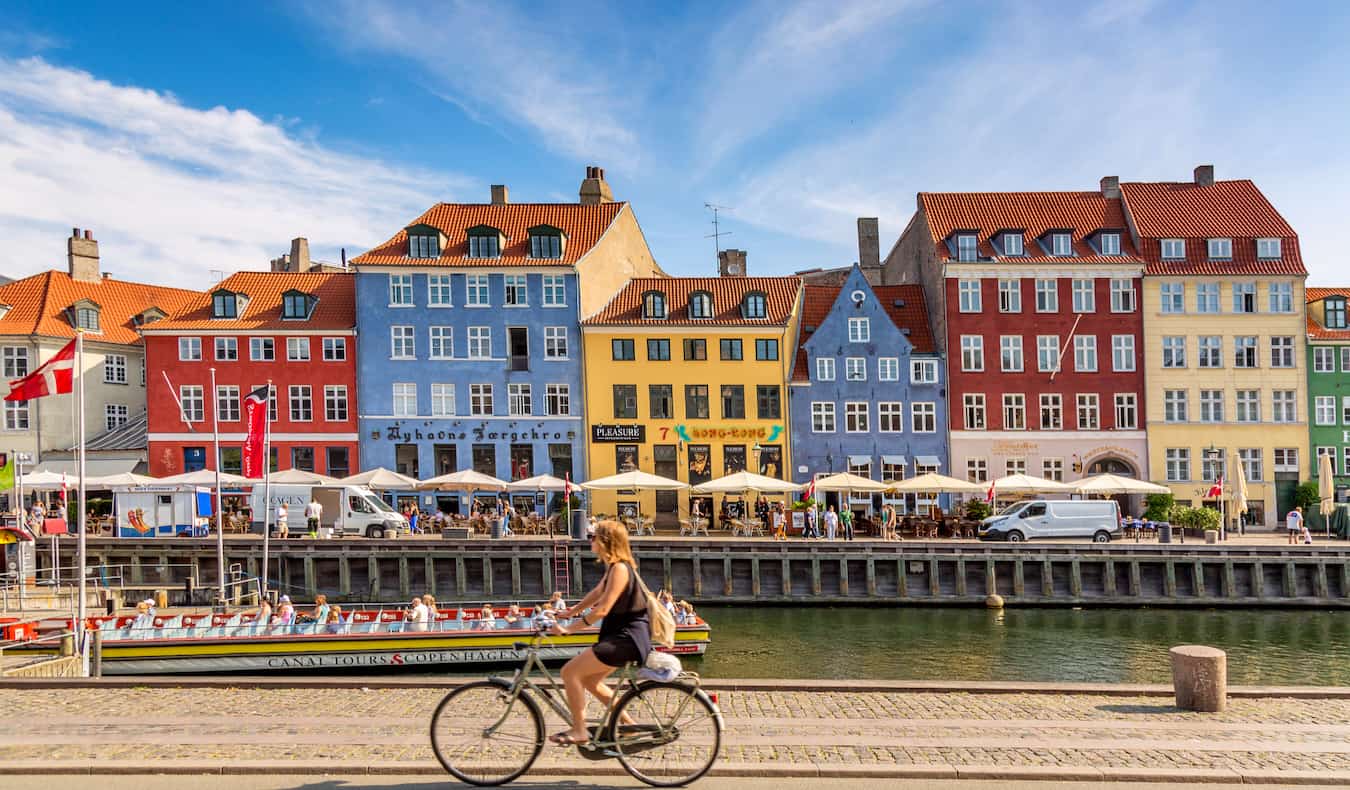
(1131, 504)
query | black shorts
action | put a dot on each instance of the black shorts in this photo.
(617, 650)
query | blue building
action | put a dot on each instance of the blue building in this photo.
(866, 391)
(469, 339)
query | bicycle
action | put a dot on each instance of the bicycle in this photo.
(490, 732)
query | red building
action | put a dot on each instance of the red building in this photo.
(296, 330)
(1035, 298)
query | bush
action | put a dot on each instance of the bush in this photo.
(1197, 518)
(806, 504)
(1307, 495)
(978, 509)
(1158, 507)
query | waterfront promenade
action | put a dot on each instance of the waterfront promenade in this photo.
(802, 729)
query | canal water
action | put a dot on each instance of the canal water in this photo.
(1265, 646)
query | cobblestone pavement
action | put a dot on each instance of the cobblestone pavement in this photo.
(387, 728)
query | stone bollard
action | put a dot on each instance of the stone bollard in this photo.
(1200, 678)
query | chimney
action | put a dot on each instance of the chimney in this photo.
(300, 254)
(594, 189)
(499, 195)
(869, 243)
(731, 263)
(82, 256)
(1204, 175)
(1110, 187)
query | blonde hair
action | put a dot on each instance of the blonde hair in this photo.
(611, 543)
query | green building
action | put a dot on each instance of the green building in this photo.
(1329, 385)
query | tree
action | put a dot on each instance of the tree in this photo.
(1158, 507)
(977, 509)
(1307, 495)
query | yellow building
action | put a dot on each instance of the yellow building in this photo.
(1224, 341)
(686, 378)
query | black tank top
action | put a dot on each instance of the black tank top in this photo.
(629, 615)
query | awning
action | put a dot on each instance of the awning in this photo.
(13, 535)
(93, 467)
(927, 460)
(898, 460)
(860, 460)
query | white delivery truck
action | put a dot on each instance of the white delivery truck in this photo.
(1098, 519)
(348, 510)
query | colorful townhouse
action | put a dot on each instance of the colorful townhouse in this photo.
(470, 347)
(1328, 364)
(866, 390)
(1034, 299)
(685, 379)
(1224, 335)
(293, 329)
(38, 316)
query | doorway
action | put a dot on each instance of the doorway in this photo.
(665, 463)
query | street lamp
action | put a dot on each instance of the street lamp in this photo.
(1213, 453)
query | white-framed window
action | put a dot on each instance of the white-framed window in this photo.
(1014, 466)
(227, 403)
(967, 247)
(1207, 297)
(1047, 353)
(1084, 297)
(1047, 296)
(822, 417)
(855, 417)
(1053, 469)
(859, 330)
(1175, 407)
(555, 342)
(888, 368)
(1173, 297)
(301, 400)
(189, 349)
(1178, 464)
(1052, 411)
(890, 416)
(400, 290)
(16, 415)
(1324, 410)
(972, 353)
(1345, 409)
(1174, 351)
(1284, 407)
(517, 294)
(855, 369)
(441, 342)
(1014, 412)
(1012, 244)
(402, 342)
(1089, 412)
(1210, 348)
(923, 371)
(480, 399)
(442, 399)
(977, 470)
(1252, 463)
(1269, 250)
(227, 349)
(1085, 353)
(193, 402)
(1248, 405)
(1211, 405)
(1220, 249)
(824, 368)
(273, 400)
(1281, 297)
(114, 369)
(1345, 359)
(973, 407)
(1286, 459)
(968, 296)
(1122, 295)
(1324, 359)
(405, 399)
(923, 417)
(1010, 353)
(1173, 249)
(115, 415)
(1061, 245)
(555, 291)
(1010, 296)
(863, 469)
(1282, 352)
(519, 400)
(1244, 351)
(297, 349)
(424, 245)
(334, 349)
(15, 362)
(1122, 353)
(335, 403)
(1127, 411)
(1345, 456)
(891, 472)
(1110, 243)
(480, 342)
(261, 349)
(476, 291)
(1244, 297)
(439, 293)
(557, 400)
(485, 245)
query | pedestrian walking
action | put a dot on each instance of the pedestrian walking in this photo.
(313, 512)
(831, 523)
(846, 519)
(812, 529)
(283, 529)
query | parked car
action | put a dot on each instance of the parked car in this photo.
(1098, 519)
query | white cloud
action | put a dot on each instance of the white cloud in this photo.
(173, 192)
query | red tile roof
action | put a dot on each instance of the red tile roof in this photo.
(818, 299)
(336, 308)
(582, 226)
(1224, 209)
(989, 213)
(1315, 330)
(625, 309)
(38, 305)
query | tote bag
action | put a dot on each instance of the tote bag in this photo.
(662, 621)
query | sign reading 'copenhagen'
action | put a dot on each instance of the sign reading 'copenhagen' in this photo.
(619, 433)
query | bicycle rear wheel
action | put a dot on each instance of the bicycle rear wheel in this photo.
(485, 738)
(676, 734)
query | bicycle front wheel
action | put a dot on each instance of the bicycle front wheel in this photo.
(675, 736)
(484, 737)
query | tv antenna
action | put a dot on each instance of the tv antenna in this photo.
(717, 233)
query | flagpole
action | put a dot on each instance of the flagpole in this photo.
(267, 484)
(220, 495)
(80, 553)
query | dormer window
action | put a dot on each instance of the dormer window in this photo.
(84, 315)
(546, 242)
(653, 305)
(700, 305)
(1012, 244)
(1335, 312)
(1220, 249)
(754, 305)
(295, 305)
(1268, 249)
(1061, 244)
(146, 316)
(224, 304)
(1173, 249)
(485, 242)
(1109, 241)
(422, 244)
(4, 309)
(966, 247)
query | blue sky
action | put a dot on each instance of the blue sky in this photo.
(195, 137)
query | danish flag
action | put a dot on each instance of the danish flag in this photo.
(56, 376)
(809, 492)
(1216, 490)
(989, 495)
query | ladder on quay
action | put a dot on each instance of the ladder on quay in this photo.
(562, 567)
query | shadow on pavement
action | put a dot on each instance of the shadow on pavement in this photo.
(1139, 708)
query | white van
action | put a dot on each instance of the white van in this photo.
(1098, 519)
(349, 510)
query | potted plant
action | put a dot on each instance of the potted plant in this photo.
(1204, 519)
(1158, 507)
(977, 510)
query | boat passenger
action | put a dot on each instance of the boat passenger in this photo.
(513, 615)
(542, 617)
(429, 601)
(320, 614)
(556, 602)
(417, 615)
(264, 614)
(285, 612)
(334, 620)
(145, 618)
(667, 600)
(486, 619)
(684, 613)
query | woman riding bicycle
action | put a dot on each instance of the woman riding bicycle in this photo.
(625, 633)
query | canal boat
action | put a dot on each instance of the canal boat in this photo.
(368, 640)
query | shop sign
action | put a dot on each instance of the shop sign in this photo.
(398, 432)
(619, 433)
(762, 433)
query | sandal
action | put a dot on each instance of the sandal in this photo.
(565, 738)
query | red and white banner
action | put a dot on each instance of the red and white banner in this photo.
(255, 417)
(1216, 490)
(56, 376)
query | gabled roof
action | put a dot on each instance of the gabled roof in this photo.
(818, 300)
(1036, 213)
(1315, 330)
(38, 305)
(582, 224)
(727, 292)
(336, 308)
(1195, 212)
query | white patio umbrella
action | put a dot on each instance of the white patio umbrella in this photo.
(1326, 489)
(119, 480)
(934, 483)
(1240, 493)
(1026, 484)
(463, 480)
(43, 480)
(299, 477)
(207, 478)
(1108, 484)
(381, 479)
(844, 481)
(539, 483)
(746, 481)
(635, 479)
